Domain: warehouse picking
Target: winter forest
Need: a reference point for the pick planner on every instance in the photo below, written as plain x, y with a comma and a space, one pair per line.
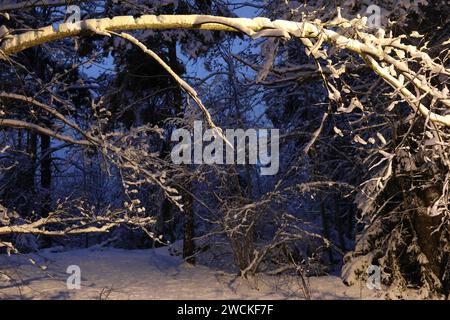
224, 149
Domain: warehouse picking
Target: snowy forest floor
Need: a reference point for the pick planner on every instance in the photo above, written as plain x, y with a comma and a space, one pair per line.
151, 274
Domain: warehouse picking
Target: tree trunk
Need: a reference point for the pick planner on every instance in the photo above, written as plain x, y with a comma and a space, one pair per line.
189, 226
46, 175
189, 230
326, 228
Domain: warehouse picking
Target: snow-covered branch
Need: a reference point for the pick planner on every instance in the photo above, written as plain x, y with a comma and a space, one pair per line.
71, 225
19, 124
374, 49
11, 6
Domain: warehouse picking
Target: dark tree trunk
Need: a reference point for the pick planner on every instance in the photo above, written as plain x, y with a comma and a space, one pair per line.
189, 226
46, 175
326, 228
28, 176
425, 226
189, 230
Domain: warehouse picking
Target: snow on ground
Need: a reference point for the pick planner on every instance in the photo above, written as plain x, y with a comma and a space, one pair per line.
150, 274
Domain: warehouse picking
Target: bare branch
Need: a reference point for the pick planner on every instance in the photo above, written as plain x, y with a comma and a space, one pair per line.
18, 124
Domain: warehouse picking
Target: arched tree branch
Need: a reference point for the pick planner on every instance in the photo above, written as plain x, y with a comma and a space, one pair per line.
369, 47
